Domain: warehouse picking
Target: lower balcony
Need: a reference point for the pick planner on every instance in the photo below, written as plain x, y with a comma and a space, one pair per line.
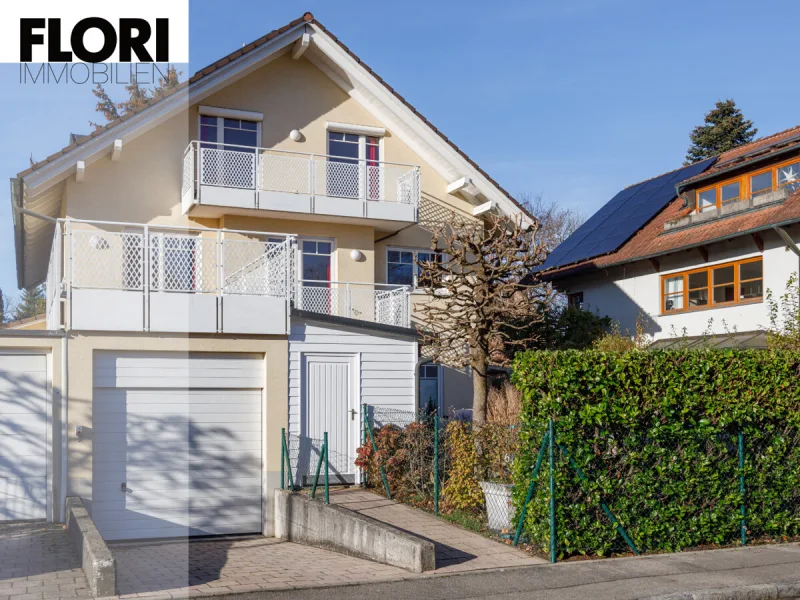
106, 276
221, 179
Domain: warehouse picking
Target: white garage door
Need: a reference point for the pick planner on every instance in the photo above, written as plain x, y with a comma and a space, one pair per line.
177, 444
23, 436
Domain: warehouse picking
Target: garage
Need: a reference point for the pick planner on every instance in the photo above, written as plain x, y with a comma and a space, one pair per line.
24, 420
177, 444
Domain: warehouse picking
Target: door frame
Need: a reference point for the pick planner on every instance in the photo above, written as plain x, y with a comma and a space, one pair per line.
354, 403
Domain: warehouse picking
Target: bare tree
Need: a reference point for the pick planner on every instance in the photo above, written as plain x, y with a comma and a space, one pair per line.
482, 296
556, 222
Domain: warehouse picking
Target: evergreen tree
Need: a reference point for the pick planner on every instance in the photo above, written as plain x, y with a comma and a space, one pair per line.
138, 96
31, 303
724, 129
2, 308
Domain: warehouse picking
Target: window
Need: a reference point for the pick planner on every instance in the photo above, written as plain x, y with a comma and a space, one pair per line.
218, 132
575, 300
750, 185
354, 169
402, 266
428, 389
316, 260
719, 285
789, 176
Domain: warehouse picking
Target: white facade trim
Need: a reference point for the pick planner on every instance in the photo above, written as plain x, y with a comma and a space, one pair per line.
231, 113
367, 130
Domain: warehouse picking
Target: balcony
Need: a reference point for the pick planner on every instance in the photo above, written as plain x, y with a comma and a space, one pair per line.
218, 179
106, 276
373, 302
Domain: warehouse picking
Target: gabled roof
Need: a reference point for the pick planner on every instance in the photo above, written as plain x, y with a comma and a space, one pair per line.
651, 240
36, 186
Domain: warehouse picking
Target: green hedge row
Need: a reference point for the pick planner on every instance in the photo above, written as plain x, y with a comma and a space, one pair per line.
656, 434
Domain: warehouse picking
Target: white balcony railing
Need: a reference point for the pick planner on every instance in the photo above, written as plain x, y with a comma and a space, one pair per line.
106, 276
276, 179
374, 302
134, 277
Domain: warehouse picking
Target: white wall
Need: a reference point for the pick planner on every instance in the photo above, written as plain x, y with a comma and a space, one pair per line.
386, 364
625, 292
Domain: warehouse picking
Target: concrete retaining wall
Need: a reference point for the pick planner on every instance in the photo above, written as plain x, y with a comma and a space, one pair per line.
300, 519
97, 561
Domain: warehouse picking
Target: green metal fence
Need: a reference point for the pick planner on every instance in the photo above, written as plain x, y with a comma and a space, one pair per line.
301, 456
593, 491
416, 464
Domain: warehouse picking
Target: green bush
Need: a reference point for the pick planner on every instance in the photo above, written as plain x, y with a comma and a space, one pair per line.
656, 434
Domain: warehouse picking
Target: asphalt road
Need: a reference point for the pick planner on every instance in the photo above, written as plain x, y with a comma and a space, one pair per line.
619, 579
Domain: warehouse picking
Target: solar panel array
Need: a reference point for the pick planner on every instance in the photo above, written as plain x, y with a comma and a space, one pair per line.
621, 217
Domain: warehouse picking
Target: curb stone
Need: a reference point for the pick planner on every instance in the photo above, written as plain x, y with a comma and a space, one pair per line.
765, 591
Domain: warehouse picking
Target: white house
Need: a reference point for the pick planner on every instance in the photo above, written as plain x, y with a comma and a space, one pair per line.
234, 260
692, 252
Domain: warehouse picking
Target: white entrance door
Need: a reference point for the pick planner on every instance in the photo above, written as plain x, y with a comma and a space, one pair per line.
329, 403
23, 436
177, 444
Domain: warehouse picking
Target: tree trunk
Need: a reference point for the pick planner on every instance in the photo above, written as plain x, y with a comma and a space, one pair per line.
479, 387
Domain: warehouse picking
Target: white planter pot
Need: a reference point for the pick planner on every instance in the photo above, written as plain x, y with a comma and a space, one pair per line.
498, 505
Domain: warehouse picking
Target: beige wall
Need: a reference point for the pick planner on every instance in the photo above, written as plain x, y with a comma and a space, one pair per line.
81, 352
51, 346
144, 185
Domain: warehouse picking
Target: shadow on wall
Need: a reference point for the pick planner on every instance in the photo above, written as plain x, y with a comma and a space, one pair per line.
609, 300
23, 445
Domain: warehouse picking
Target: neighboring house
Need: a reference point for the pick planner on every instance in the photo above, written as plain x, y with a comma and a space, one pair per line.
694, 251
233, 260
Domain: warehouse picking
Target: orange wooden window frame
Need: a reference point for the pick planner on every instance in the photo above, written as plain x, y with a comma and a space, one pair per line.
737, 281
744, 184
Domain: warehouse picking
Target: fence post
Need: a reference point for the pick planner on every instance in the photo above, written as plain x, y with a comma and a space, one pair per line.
742, 509
375, 450
319, 466
285, 452
325, 446
436, 463
531, 487
283, 458
363, 442
550, 436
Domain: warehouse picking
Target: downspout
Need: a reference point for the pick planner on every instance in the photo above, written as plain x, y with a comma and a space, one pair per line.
64, 425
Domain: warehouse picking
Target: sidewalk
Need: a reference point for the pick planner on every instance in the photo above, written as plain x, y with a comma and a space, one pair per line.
620, 579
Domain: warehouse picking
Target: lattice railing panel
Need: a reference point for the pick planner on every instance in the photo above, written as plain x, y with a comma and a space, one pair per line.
284, 173
183, 263
228, 168
322, 300
338, 179
108, 260
188, 171
254, 267
356, 301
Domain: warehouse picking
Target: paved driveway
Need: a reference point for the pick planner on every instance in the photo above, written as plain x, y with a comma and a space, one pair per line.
457, 550
37, 562
179, 569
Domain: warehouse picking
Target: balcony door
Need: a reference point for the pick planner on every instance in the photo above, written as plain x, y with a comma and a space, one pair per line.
353, 168
316, 272
228, 152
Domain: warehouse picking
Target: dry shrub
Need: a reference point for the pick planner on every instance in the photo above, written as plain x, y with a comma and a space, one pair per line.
503, 404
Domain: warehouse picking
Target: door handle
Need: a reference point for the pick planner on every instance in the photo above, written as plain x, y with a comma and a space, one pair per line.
353, 413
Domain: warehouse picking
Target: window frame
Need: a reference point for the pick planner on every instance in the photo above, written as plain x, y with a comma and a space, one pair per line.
423, 370
744, 181
575, 300
415, 271
220, 126
710, 286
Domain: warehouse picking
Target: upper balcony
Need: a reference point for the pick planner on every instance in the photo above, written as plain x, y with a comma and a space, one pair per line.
218, 178
108, 276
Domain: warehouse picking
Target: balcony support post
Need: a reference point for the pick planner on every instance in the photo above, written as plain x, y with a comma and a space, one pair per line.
312, 181
146, 277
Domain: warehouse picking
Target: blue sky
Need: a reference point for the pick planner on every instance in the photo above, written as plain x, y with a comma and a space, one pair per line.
573, 99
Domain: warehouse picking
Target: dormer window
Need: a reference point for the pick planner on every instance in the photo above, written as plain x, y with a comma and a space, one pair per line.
750, 185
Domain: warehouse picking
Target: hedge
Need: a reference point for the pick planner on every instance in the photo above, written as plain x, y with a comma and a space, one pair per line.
657, 435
